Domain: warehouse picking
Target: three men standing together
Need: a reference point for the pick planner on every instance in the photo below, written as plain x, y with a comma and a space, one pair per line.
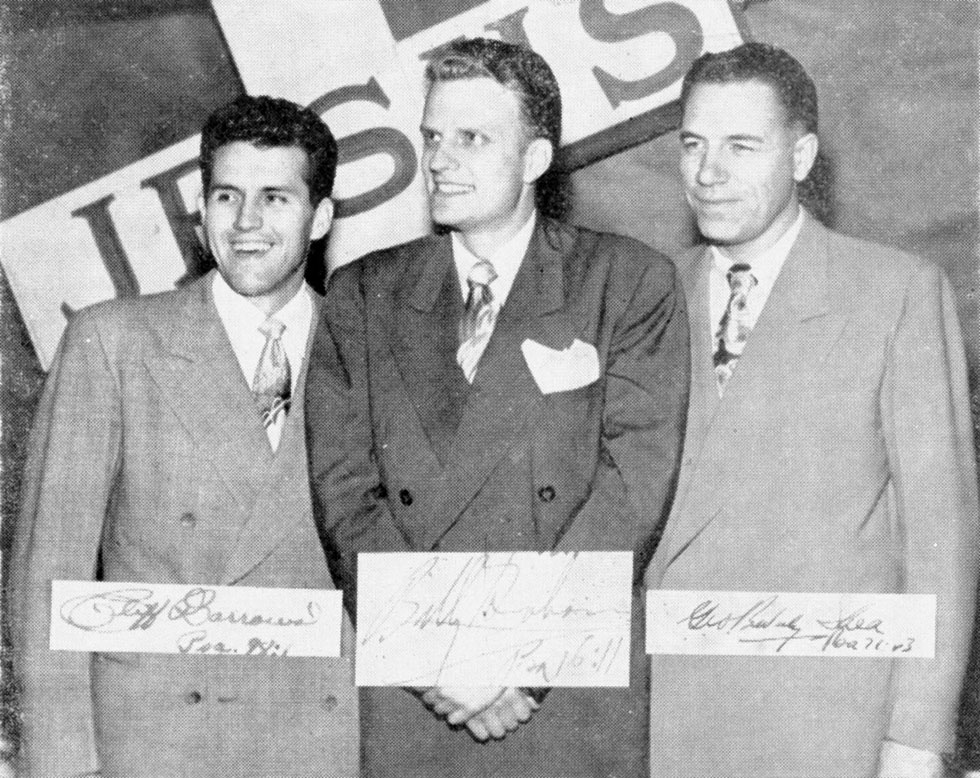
828, 447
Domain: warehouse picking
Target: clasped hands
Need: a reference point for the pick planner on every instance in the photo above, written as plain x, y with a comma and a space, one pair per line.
487, 711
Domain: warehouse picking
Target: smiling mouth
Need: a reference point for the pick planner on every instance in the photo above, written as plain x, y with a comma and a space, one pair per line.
450, 188
713, 203
250, 246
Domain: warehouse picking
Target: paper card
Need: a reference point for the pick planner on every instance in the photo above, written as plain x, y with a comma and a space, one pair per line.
883, 626
507, 619
186, 619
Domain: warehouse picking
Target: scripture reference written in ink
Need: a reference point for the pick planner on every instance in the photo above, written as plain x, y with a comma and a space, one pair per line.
182, 619
502, 618
721, 623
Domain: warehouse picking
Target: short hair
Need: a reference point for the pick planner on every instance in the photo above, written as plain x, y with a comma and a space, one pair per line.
763, 62
525, 73
269, 122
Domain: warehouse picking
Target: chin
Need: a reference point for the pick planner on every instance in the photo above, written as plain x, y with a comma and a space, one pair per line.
718, 233
444, 217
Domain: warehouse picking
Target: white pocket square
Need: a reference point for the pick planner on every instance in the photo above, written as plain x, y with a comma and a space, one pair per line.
564, 370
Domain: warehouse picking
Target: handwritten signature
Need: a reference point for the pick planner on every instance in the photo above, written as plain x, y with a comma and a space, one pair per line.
768, 621
137, 608
499, 597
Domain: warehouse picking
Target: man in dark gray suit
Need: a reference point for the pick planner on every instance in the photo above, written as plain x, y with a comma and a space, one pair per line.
443, 344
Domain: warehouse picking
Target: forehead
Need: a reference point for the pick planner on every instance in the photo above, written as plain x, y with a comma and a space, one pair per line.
473, 102
242, 162
734, 108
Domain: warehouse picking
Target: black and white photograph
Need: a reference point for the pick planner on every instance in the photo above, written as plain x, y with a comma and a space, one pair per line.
491, 388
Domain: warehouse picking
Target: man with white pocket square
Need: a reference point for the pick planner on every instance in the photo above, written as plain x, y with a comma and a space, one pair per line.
520, 385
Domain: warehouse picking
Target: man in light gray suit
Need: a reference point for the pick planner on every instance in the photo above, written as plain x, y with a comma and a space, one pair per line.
168, 448
828, 449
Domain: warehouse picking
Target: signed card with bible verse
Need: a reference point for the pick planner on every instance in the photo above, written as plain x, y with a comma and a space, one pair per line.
883, 626
183, 619
507, 618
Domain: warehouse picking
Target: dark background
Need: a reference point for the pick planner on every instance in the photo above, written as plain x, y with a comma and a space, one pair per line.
89, 86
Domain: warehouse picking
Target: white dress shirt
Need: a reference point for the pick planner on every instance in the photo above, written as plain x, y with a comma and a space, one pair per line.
241, 320
765, 268
506, 261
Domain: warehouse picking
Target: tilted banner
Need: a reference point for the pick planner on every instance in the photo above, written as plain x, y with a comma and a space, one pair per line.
360, 64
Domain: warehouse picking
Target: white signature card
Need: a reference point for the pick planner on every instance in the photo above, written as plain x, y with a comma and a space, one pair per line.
791, 624
182, 619
508, 619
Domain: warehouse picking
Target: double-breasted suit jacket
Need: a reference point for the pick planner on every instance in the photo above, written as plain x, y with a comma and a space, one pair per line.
500, 466
840, 459
148, 462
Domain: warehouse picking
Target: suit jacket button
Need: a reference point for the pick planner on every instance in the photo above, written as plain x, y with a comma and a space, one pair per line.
187, 519
546, 493
192, 698
379, 492
329, 702
405, 496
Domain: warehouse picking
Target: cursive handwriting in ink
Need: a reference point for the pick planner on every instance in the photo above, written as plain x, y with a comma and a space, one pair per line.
199, 642
196, 608
121, 610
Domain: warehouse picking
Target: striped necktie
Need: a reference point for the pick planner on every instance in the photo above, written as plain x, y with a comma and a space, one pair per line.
476, 325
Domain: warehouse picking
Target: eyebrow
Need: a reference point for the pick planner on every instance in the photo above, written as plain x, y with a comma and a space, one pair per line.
737, 137
487, 131
271, 188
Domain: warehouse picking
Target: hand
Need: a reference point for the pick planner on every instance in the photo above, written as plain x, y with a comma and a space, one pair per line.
901, 761
460, 703
506, 714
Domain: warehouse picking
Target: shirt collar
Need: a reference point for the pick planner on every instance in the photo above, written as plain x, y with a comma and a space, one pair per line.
766, 266
239, 314
506, 260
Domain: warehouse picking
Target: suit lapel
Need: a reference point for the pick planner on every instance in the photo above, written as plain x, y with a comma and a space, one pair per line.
704, 387
504, 392
199, 376
283, 498
793, 335
424, 345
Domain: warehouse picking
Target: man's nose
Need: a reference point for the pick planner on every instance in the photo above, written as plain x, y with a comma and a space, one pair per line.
249, 215
712, 168
441, 157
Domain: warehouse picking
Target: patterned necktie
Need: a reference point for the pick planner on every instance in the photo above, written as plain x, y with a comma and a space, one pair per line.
272, 385
476, 326
736, 323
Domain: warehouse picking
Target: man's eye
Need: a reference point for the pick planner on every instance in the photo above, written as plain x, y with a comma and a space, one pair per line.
690, 144
742, 148
430, 138
472, 138
221, 197
274, 198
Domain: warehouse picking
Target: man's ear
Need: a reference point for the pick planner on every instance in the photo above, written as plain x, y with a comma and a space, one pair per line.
322, 219
537, 159
804, 155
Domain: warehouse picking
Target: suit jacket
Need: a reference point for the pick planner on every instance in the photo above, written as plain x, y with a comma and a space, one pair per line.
500, 466
148, 461
840, 459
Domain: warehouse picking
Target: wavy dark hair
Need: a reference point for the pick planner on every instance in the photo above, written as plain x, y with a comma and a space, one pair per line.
270, 122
